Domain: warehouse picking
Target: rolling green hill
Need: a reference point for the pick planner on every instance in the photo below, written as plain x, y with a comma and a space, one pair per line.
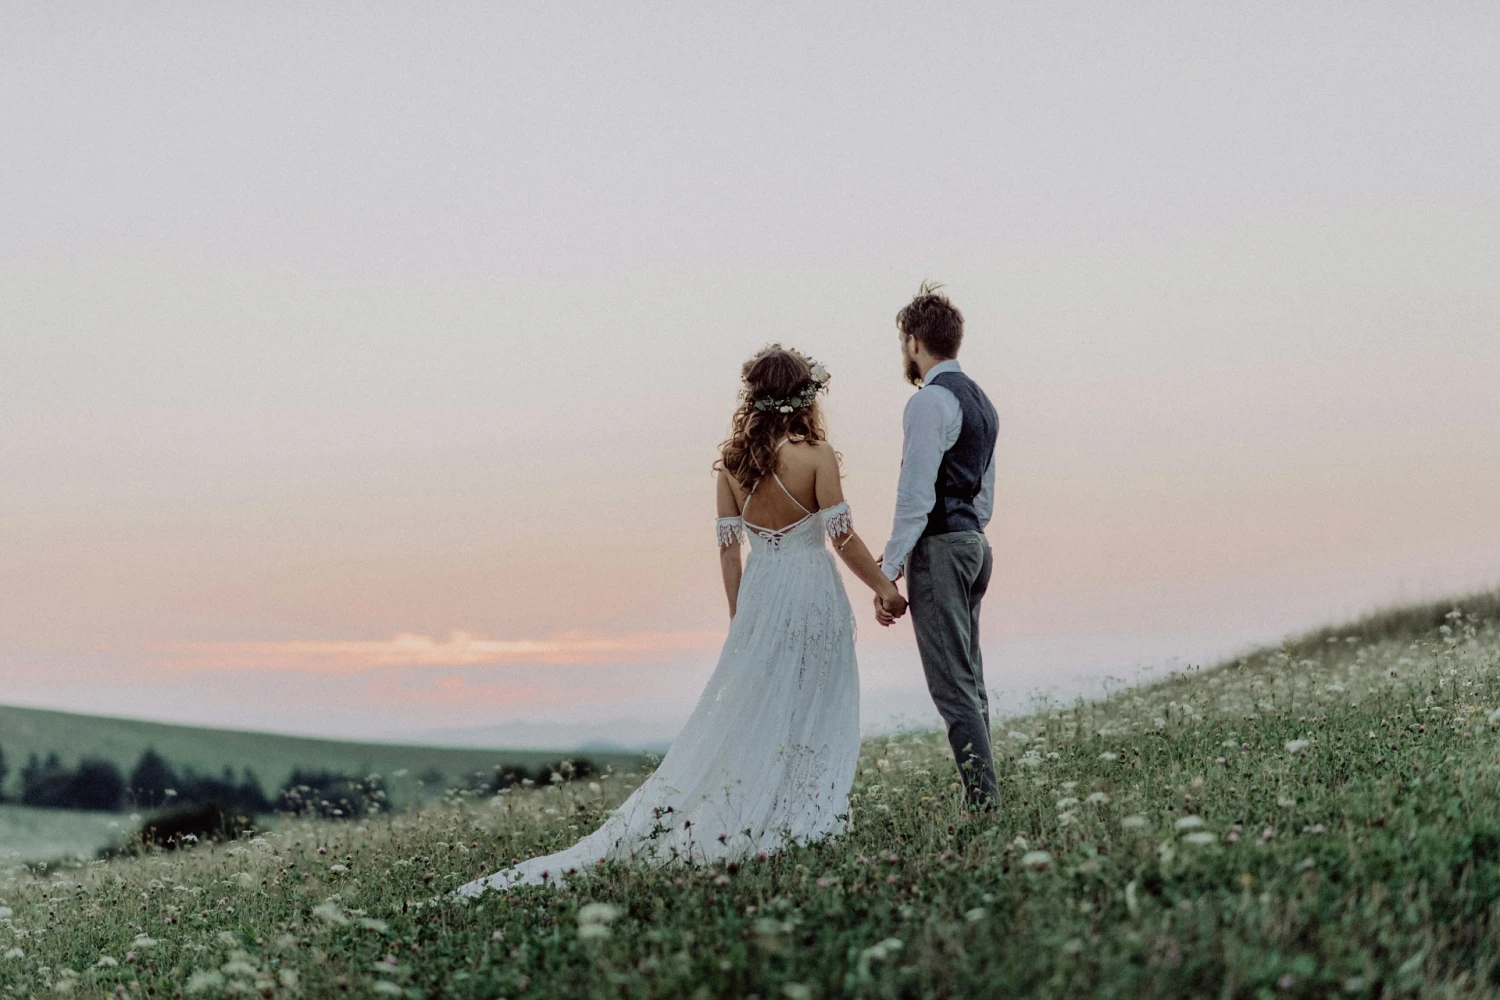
24, 731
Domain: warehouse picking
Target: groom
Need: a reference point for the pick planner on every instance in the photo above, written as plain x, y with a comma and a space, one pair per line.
943, 502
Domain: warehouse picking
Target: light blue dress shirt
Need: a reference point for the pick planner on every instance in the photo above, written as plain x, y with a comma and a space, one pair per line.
929, 426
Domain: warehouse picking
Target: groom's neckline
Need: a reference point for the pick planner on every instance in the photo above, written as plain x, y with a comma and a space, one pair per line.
941, 368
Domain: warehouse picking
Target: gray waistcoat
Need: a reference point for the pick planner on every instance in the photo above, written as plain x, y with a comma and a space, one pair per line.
961, 474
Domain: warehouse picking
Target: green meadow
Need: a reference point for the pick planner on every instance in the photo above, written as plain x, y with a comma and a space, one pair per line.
1320, 819
28, 834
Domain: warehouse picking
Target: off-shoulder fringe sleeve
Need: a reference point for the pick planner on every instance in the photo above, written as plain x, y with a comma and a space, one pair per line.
731, 530
837, 520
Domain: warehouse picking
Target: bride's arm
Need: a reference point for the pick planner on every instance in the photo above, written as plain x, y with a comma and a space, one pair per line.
850, 547
729, 544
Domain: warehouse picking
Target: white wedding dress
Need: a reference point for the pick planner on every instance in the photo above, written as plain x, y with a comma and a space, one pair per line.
768, 755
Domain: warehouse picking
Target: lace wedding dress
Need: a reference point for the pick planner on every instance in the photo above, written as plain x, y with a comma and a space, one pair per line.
768, 755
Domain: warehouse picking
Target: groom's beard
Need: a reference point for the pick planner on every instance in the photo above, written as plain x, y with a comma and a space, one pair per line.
913, 373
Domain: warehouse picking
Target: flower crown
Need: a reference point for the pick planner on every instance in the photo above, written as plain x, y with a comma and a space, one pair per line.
817, 382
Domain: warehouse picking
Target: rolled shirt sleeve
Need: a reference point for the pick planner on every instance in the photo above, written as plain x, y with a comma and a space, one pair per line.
929, 425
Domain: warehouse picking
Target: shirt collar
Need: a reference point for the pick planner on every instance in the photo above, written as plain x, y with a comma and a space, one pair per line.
950, 365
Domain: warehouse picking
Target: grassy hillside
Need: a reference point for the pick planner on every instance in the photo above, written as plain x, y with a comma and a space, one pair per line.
26, 730
1312, 821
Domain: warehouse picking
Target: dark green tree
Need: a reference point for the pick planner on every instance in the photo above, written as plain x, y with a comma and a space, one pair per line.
46, 783
150, 779
251, 796
97, 784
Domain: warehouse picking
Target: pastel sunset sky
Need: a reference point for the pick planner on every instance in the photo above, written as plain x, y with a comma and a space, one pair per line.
362, 365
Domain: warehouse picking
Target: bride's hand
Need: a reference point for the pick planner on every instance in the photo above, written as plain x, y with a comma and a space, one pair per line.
889, 607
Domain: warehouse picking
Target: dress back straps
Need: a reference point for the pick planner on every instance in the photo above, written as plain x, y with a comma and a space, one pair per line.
789, 495
746, 506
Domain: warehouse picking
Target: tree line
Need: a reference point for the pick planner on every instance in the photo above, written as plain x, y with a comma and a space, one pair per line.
98, 784
153, 783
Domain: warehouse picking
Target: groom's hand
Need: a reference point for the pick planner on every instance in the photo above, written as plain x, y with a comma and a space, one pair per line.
887, 610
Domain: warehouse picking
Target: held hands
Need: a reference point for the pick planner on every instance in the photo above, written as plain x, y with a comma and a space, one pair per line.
889, 607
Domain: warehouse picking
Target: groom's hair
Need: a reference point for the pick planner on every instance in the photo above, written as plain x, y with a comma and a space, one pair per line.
933, 320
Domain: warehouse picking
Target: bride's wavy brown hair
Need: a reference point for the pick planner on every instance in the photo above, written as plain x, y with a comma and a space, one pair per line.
749, 453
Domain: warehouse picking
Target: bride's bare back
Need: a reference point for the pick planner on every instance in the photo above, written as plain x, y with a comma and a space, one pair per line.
806, 480
797, 475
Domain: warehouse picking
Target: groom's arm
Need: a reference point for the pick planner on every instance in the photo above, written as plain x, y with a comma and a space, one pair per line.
929, 427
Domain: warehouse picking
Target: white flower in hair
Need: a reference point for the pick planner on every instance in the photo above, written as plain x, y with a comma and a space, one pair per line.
817, 381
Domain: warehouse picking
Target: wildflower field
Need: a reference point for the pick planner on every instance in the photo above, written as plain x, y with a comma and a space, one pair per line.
1321, 819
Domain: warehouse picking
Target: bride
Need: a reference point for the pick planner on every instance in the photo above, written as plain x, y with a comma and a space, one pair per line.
768, 755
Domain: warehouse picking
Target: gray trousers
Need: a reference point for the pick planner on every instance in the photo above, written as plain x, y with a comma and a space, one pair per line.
946, 577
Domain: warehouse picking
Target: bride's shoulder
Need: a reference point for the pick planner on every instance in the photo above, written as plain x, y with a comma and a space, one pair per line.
809, 450
811, 455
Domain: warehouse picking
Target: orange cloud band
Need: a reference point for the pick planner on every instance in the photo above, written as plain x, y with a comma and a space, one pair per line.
408, 649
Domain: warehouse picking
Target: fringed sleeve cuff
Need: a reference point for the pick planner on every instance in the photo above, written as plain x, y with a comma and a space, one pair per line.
838, 520
730, 531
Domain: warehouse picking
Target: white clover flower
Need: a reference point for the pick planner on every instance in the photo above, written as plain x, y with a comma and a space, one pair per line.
202, 982
1036, 859
329, 912
598, 913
